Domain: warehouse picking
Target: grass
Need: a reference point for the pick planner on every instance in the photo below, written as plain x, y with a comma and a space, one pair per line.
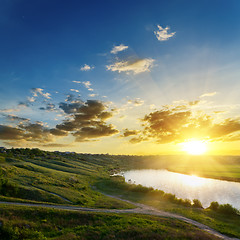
43, 224
225, 223
37, 174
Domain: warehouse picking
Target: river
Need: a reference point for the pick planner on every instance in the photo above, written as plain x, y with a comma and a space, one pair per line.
185, 186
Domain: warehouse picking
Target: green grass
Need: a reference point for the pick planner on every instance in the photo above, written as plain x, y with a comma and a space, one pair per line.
226, 224
42, 224
37, 173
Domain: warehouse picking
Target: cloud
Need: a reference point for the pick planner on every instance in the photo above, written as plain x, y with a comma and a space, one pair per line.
137, 140
92, 95
119, 48
74, 90
31, 99
136, 67
76, 81
127, 132
210, 94
162, 33
86, 67
12, 117
57, 145
70, 108
32, 132
9, 110
50, 107
58, 132
136, 102
88, 121
181, 123
39, 91
11, 133
87, 84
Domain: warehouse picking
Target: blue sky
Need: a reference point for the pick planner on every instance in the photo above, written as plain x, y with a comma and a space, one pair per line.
166, 53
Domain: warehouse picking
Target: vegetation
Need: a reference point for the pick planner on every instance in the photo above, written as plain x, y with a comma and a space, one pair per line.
78, 179
214, 218
42, 224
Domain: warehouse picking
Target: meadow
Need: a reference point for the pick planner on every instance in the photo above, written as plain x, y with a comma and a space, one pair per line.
81, 179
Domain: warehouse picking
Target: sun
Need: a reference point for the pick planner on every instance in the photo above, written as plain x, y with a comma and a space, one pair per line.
195, 147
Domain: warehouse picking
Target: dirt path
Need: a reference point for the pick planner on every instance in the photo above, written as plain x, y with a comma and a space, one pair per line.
140, 208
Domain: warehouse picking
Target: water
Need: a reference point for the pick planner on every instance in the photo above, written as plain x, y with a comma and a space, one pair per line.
184, 186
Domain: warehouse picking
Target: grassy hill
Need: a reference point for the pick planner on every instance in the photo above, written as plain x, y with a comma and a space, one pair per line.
79, 179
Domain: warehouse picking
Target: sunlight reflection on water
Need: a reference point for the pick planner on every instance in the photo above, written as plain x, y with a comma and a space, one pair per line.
185, 186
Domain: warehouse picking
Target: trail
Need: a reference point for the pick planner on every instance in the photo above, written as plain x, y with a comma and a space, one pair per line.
140, 209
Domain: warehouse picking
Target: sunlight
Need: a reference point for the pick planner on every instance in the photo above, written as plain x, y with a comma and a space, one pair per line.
195, 147
193, 181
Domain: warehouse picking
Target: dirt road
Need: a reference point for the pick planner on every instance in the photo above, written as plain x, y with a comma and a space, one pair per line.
140, 208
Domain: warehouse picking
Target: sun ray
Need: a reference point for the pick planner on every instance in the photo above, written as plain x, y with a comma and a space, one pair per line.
195, 147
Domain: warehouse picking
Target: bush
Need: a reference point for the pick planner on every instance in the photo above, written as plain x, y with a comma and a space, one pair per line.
214, 206
227, 209
197, 203
187, 203
7, 188
223, 208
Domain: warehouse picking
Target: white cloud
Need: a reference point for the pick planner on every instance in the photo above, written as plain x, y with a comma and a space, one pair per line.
208, 94
76, 81
87, 84
162, 34
74, 90
119, 48
86, 68
31, 99
9, 110
92, 95
138, 66
39, 91
136, 102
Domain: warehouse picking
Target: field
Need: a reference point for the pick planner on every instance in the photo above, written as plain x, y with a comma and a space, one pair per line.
81, 179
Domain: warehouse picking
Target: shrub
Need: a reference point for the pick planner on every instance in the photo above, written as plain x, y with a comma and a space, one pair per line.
197, 203
169, 197
214, 206
227, 209
187, 203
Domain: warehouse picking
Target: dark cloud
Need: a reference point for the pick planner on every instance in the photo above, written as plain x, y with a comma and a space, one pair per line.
24, 104
50, 107
57, 145
31, 132
98, 130
36, 132
11, 133
70, 108
137, 140
127, 132
58, 132
11, 117
180, 123
229, 126
88, 120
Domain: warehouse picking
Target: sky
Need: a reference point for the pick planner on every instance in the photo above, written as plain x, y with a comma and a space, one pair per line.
120, 77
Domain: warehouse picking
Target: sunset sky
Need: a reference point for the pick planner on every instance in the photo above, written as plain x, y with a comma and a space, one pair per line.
120, 77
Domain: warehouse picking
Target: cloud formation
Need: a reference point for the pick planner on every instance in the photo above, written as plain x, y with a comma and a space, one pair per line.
32, 132
119, 48
127, 132
89, 120
135, 67
181, 123
162, 34
86, 67
50, 107
136, 102
210, 94
39, 92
